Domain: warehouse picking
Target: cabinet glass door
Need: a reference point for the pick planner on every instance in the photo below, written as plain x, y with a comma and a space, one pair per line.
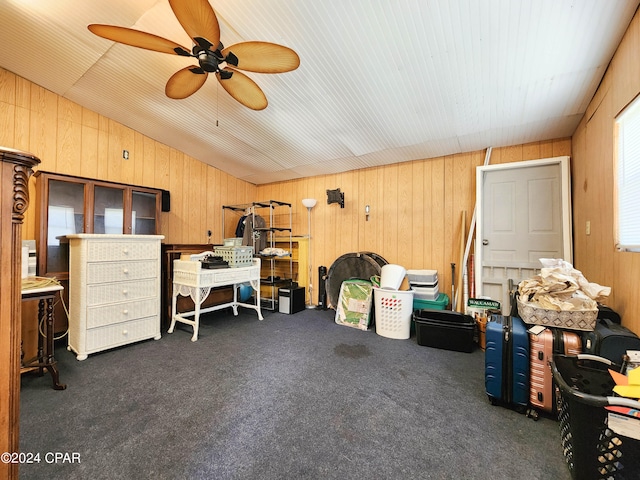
143, 213
65, 214
108, 210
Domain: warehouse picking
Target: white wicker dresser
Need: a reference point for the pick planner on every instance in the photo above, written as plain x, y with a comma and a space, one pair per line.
114, 291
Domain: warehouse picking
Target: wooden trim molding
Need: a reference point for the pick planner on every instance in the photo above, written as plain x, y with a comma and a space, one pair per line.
15, 170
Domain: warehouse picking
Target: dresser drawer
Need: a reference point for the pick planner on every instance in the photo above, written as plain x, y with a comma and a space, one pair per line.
121, 271
106, 293
111, 336
98, 251
121, 312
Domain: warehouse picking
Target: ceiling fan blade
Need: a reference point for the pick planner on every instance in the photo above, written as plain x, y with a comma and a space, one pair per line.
139, 39
198, 19
243, 89
185, 82
263, 57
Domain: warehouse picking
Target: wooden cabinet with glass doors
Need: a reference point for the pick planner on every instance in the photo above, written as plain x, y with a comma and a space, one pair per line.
68, 205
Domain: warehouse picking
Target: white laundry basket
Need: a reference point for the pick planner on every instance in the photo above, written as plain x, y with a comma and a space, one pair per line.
394, 309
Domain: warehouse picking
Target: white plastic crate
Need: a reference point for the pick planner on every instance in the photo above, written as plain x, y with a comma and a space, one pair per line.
425, 293
426, 277
394, 309
235, 256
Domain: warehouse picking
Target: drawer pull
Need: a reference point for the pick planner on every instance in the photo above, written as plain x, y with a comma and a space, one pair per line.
125, 251
125, 312
125, 270
125, 332
125, 292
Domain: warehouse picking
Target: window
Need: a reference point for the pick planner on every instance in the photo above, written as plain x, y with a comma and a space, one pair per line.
628, 178
61, 222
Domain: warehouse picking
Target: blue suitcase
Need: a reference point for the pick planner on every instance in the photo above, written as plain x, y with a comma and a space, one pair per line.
507, 362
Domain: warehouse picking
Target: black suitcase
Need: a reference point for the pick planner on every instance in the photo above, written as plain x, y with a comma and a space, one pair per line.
605, 313
507, 362
609, 340
444, 329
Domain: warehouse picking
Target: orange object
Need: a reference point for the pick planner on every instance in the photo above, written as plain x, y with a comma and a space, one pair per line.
482, 329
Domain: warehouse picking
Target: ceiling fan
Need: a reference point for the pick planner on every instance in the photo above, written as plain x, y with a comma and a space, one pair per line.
200, 22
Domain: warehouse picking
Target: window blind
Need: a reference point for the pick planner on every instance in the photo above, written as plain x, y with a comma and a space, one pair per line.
628, 178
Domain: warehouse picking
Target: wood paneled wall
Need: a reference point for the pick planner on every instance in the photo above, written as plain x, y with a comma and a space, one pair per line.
415, 208
72, 140
593, 174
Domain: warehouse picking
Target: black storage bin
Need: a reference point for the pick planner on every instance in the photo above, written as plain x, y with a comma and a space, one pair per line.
591, 449
444, 329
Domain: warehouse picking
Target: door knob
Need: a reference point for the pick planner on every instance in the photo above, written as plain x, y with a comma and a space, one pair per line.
485, 242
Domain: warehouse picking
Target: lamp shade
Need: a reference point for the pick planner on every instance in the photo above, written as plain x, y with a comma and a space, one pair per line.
309, 202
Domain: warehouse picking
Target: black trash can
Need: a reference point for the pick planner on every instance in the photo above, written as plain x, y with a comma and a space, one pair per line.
591, 449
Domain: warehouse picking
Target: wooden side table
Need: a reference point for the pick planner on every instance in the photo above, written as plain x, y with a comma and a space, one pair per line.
45, 358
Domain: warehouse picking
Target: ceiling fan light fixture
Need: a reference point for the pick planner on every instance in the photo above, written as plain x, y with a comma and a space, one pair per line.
208, 62
199, 21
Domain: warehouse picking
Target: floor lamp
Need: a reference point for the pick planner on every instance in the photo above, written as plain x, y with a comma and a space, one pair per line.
310, 203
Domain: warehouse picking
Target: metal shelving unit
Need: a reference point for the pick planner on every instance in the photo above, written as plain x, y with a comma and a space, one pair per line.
276, 272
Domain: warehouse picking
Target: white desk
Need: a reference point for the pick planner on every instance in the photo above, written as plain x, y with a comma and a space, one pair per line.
189, 278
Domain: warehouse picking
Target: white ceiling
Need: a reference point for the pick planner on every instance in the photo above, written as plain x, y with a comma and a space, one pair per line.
379, 81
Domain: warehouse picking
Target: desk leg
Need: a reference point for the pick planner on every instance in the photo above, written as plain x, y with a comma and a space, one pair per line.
196, 319
255, 284
174, 299
234, 306
41, 338
50, 361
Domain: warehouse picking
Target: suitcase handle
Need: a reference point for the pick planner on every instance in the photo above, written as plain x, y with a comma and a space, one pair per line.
587, 356
607, 321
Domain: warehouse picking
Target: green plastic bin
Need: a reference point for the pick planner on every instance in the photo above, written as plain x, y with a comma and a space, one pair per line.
439, 303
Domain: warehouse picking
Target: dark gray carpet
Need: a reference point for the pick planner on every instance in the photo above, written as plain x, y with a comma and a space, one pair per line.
291, 397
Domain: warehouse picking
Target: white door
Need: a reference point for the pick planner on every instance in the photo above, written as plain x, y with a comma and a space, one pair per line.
524, 214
